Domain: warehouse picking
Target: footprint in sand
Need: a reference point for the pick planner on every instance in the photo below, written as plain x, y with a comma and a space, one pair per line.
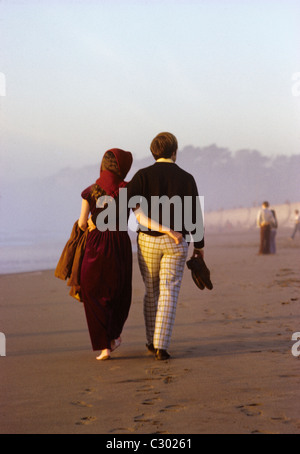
151, 401
80, 403
164, 375
171, 408
263, 432
168, 379
89, 390
162, 432
283, 419
145, 389
285, 271
86, 420
122, 430
142, 418
138, 380
250, 409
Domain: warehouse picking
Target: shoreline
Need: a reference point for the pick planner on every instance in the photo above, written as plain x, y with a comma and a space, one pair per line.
226, 231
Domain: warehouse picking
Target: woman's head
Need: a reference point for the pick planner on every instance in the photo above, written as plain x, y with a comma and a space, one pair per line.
110, 163
117, 161
164, 145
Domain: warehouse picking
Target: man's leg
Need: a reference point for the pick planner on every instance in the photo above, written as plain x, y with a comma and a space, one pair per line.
267, 235
171, 272
296, 228
149, 256
264, 239
261, 237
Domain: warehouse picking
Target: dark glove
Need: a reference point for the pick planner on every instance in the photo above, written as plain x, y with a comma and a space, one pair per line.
200, 272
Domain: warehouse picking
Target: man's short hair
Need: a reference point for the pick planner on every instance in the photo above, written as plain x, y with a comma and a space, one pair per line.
265, 204
164, 145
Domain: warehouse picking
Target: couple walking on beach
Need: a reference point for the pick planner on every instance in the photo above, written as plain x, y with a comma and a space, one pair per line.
106, 269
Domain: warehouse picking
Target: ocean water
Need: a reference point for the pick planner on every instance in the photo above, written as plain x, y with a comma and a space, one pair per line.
29, 252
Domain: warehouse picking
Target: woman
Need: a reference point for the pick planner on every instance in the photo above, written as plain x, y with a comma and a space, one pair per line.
273, 233
106, 270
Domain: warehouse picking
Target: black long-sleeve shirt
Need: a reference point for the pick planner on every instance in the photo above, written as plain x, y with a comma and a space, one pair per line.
169, 195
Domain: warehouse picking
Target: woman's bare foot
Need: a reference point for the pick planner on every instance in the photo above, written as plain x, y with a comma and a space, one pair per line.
104, 355
116, 343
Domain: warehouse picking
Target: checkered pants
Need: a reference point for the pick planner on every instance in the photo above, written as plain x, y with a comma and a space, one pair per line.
161, 263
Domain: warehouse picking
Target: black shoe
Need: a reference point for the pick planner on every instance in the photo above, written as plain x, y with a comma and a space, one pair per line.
151, 348
162, 355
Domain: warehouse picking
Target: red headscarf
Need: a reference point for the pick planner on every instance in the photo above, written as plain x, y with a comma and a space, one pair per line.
110, 181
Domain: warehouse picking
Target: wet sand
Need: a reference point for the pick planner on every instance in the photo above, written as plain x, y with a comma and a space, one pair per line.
232, 370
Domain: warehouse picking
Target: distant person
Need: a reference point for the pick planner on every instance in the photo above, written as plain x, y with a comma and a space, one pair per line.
106, 270
273, 233
265, 220
297, 224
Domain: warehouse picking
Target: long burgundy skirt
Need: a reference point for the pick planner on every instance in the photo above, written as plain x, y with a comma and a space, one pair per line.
106, 285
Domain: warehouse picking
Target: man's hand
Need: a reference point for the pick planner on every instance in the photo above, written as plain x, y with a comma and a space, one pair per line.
198, 252
176, 236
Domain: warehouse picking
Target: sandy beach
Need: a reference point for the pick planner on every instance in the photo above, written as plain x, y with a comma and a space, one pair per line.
232, 370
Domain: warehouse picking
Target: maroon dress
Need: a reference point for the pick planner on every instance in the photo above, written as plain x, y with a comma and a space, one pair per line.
106, 273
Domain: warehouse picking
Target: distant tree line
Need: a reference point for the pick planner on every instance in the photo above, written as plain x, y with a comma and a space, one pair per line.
241, 179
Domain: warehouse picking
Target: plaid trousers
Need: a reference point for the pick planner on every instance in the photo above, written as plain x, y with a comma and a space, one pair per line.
161, 264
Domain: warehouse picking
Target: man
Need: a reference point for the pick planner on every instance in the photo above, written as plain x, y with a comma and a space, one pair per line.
172, 200
265, 220
297, 224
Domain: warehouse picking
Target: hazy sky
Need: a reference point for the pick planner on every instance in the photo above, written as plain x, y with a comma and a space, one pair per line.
84, 76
